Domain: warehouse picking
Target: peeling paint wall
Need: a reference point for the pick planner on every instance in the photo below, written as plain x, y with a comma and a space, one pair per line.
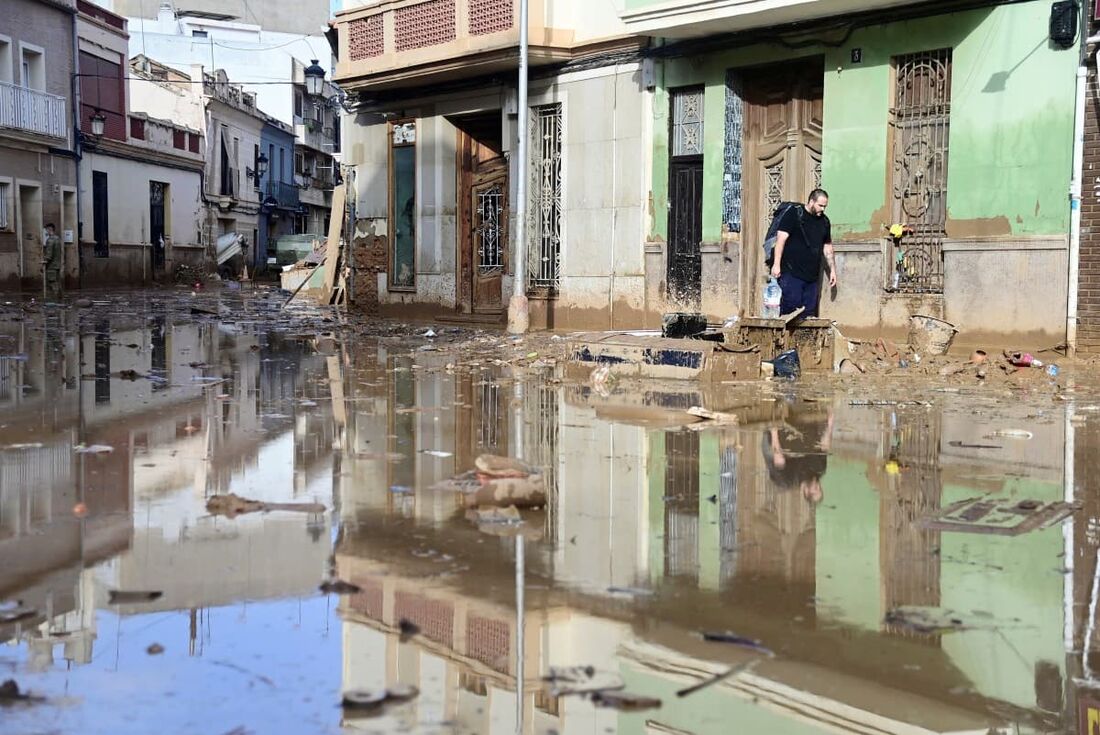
604, 180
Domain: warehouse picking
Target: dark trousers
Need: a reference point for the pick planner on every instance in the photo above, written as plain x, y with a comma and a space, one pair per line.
796, 293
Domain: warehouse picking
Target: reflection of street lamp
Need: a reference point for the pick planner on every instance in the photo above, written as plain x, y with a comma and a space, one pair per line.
261, 169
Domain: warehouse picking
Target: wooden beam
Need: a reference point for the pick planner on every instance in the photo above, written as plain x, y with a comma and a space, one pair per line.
332, 246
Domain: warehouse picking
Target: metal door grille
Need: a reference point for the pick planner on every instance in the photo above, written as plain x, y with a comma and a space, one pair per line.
490, 206
545, 198
687, 122
921, 122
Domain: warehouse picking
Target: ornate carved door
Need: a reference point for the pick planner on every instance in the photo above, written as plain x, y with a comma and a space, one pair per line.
489, 206
483, 214
782, 143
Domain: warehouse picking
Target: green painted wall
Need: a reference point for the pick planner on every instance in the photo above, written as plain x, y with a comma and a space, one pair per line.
1011, 122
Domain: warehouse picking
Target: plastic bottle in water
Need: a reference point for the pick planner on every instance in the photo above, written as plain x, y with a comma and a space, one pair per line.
773, 295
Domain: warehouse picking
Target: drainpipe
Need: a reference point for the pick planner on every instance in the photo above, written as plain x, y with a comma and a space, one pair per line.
78, 154
1075, 197
519, 317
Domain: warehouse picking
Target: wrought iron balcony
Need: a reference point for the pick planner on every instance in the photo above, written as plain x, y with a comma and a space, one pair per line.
33, 111
284, 195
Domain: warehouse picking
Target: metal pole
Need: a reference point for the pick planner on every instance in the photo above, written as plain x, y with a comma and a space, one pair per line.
520, 571
518, 316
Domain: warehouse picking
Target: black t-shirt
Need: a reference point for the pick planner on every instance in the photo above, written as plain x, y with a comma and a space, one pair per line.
805, 243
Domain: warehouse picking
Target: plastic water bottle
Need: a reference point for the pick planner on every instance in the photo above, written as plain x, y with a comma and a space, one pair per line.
773, 295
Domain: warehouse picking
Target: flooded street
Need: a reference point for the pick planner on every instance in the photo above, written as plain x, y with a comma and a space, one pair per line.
800, 545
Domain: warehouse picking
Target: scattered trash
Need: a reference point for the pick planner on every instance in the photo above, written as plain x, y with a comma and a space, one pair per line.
155, 649
408, 630
437, 453
375, 699
93, 449
848, 367
679, 325
339, 587
997, 516
787, 365
716, 416
401, 489
510, 514
231, 506
128, 597
977, 357
930, 335
632, 591
129, 374
1013, 434
965, 445
10, 693
734, 671
15, 613
429, 334
1052, 370
80, 510
523, 492
624, 702
934, 620
737, 640
29, 445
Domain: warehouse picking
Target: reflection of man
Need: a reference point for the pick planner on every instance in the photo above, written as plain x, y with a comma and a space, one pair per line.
52, 260
797, 453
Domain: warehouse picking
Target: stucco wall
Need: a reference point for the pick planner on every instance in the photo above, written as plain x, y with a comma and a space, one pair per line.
1008, 162
604, 175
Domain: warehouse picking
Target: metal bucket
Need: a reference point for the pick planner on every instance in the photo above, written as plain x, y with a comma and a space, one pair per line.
929, 335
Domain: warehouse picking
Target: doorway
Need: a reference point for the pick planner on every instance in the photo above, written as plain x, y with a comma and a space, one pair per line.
782, 155
99, 214
30, 231
482, 214
684, 264
157, 233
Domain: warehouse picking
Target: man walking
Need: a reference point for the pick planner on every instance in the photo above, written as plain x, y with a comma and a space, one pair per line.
804, 237
52, 258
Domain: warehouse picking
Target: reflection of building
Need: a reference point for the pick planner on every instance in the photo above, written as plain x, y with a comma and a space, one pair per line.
693, 527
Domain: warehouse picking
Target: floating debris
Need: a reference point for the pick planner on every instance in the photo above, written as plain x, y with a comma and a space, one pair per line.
739, 669
127, 597
737, 640
408, 629
231, 506
624, 702
339, 587
155, 649
93, 449
10, 694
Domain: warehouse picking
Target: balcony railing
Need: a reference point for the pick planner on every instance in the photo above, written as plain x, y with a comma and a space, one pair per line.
390, 42
285, 194
33, 111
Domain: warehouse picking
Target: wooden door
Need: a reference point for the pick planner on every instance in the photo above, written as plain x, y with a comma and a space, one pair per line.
489, 238
482, 214
782, 155
685, 226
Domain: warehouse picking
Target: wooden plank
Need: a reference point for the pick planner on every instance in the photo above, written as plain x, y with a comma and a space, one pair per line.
332, 246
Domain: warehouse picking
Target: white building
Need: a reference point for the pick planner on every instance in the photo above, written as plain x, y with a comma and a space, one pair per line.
430, 80
140, 179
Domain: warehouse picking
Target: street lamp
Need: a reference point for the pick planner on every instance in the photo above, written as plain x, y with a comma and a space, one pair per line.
315, 79
261, 169
99, 123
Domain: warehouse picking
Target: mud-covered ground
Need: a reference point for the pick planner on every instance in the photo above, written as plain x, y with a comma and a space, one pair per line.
218, 515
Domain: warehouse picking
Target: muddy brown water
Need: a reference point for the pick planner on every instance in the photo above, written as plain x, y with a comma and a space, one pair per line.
792, 533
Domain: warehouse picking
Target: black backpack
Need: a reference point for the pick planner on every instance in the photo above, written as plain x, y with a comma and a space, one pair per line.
773, 230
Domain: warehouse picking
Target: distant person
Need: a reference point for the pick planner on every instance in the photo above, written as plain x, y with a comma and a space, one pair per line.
804, 237
52, 260
796, 453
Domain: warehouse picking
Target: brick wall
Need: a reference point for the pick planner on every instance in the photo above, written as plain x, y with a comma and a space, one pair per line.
369, 257
1088, 298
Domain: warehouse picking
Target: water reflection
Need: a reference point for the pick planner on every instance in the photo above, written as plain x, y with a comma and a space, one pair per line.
797, 525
